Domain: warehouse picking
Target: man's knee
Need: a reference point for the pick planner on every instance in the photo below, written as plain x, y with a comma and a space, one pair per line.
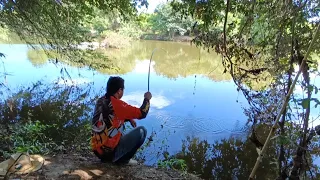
143, 132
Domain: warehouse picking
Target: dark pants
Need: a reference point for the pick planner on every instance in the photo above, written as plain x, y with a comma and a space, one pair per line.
128, 146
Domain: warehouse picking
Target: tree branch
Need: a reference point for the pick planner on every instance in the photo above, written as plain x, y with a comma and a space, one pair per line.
297, 164
225, 27
282, 122
259, 159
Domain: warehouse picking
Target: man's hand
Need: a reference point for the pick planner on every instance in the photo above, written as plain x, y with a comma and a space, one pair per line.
133, 123
148, 95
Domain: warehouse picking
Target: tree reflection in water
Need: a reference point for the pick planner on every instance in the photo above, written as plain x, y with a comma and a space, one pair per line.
231, 158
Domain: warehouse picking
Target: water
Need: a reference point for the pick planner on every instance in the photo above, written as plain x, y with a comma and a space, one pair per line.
191, 95
188, 96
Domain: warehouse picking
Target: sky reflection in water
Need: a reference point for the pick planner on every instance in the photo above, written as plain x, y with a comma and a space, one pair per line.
192, 105
208, 109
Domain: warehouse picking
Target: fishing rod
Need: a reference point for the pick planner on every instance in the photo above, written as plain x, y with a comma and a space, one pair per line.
154, 50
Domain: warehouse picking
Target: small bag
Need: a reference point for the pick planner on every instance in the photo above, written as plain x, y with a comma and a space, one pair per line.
20, 163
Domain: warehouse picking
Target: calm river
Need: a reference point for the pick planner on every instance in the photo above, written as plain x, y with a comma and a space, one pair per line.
191, 95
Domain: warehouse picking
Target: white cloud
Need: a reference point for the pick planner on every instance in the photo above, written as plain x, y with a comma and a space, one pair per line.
143, 66
135, 99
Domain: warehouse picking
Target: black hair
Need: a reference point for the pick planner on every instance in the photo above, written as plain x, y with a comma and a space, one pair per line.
114, 84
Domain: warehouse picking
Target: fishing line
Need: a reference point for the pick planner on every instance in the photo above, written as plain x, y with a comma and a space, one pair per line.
150, 65
195, 76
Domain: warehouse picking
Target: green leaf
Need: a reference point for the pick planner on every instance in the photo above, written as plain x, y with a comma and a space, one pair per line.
317, 101
284, 140
310, 88
305, 103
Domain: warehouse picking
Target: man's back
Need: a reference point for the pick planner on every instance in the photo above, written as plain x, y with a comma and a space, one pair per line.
108, 119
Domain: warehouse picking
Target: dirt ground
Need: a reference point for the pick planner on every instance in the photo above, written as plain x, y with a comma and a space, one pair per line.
76, 166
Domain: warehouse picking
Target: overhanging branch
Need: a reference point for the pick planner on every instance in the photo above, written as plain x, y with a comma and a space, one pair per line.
259, 159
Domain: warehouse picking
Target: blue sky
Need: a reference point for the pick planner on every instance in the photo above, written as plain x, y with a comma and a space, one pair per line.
152, 5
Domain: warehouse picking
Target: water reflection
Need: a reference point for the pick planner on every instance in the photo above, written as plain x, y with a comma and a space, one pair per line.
135, 98
72, 82
191, 97
232, 158
142, 66
204, 105
67, 109
181, 60
226, 159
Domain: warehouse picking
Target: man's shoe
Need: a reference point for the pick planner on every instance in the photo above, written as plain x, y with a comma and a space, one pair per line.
132, 162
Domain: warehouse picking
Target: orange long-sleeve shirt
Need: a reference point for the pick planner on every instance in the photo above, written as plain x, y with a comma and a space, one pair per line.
112, 113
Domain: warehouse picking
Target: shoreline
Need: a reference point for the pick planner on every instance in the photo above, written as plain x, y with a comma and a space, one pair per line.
87, 166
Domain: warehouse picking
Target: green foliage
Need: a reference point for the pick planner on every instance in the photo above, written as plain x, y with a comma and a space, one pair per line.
258, 33
38, 58
144, 22
269, 38
112, 21
74, 22
30, 137
61, 25
26, 137
112, 39
305, 102
176, 164
260, 42
8, 37
4, 34
42, 118
166, 21
131, 29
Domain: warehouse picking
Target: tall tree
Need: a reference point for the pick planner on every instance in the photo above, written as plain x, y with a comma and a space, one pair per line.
166, 21
259, 39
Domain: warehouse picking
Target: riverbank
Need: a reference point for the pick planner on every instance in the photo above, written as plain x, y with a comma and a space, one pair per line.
105, 40
112, 40
87, 166
116, 41
166, 38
